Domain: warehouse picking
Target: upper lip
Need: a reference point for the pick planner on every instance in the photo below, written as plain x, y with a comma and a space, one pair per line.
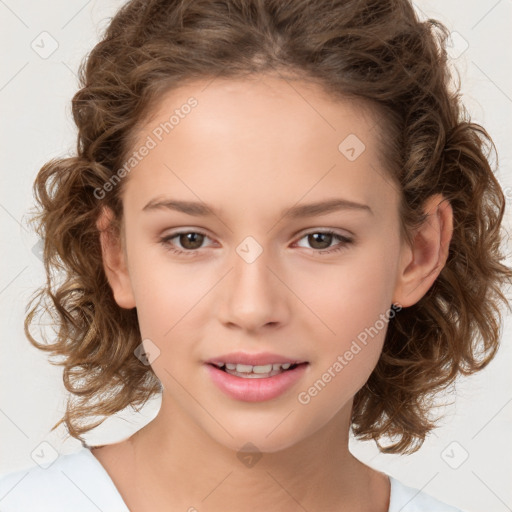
258, 359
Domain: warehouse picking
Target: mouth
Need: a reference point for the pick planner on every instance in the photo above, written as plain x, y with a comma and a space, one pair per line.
260, 383
247, 371
256, 376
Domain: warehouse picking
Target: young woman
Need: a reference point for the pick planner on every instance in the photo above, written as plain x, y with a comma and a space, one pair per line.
279, 219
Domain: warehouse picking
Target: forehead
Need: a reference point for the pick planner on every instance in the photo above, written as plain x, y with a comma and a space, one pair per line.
263, 104
260, 136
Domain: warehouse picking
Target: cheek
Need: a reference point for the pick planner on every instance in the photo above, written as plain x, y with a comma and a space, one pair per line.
352, 295
353, 304
165, 292
355, 310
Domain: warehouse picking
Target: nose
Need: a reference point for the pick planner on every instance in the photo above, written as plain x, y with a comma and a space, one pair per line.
253, 295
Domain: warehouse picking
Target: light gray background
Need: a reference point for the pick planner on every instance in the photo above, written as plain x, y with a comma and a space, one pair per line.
35, 94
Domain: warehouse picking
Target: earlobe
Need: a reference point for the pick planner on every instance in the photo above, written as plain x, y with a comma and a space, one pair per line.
114, 261
422, 262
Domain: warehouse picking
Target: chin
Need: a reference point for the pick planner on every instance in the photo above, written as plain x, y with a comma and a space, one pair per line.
258, 443
261, 436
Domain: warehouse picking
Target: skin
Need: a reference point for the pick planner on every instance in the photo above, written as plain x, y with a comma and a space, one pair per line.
250, 149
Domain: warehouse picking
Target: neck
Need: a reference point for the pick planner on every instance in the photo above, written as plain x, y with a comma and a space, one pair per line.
190, 470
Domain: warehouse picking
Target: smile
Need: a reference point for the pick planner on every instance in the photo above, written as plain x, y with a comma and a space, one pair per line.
250, 372
255, 383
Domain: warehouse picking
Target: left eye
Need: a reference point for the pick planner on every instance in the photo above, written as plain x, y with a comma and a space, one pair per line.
322, 237
191, 241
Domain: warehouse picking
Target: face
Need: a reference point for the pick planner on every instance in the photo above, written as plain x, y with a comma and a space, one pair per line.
256, 271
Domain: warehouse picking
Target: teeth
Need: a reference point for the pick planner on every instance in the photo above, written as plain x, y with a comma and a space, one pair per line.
266, 369
244, 368
259, 369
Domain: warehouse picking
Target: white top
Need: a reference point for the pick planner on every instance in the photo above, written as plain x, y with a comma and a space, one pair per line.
79, 483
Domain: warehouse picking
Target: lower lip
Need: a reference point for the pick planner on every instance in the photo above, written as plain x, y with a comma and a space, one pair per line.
255, 389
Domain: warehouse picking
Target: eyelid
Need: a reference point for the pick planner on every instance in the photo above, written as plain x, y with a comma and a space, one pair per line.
326, 229
300, 234
343, 240
184, 231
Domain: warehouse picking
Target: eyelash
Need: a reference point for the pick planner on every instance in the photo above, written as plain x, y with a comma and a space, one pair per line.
344, 241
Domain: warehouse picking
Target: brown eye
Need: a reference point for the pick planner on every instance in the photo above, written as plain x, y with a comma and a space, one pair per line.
184, 243
320, 240
191, 240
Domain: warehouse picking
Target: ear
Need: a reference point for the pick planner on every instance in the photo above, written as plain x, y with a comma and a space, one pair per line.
114, 260
421, 263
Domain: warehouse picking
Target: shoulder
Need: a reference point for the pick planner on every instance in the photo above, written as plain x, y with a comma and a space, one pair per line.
408, 499
75, 482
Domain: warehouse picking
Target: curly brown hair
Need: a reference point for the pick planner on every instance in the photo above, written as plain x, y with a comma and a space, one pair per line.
375, 50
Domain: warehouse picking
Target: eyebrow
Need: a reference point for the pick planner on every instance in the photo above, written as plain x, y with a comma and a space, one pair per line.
198, 209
